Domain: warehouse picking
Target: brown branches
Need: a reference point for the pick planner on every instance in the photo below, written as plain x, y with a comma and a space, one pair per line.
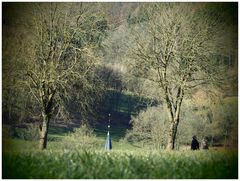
175, 47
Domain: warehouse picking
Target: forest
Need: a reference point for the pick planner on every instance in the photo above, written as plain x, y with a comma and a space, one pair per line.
148, 77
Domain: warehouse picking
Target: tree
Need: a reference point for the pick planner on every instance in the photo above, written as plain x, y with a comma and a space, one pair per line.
60, 58
225, 120
176, 46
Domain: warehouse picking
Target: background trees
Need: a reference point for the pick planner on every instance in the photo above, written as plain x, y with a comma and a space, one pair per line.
204, 118
176, 46
80, 61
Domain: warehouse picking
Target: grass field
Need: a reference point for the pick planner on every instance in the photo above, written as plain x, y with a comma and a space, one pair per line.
124, 161
85, 157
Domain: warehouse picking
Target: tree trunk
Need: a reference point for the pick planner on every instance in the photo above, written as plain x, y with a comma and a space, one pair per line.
174, 114
43, 132
172, 135
46, 115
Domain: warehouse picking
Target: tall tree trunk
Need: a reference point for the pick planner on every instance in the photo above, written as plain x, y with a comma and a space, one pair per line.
174, 114
172, 134
43, 131
46, 116
170, 143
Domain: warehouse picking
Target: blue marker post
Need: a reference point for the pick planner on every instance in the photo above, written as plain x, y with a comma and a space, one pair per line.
108, 145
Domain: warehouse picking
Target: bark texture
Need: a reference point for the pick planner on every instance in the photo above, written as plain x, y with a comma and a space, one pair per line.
43, 131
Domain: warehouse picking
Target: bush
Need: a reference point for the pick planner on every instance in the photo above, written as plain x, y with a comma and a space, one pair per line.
29, 133
149, 128
203, 119
6, 131
82, 138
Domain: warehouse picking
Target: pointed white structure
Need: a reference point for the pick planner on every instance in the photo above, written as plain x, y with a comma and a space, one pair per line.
108, 144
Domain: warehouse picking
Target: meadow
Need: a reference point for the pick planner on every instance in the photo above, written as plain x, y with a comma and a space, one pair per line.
22, 161
70, 68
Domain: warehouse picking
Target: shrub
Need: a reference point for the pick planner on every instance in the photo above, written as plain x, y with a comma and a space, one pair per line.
149, 128
6, 131
207, 118
29, 133
82, 138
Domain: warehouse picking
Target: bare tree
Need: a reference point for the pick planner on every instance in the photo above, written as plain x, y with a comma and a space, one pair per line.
177, 46
60, 58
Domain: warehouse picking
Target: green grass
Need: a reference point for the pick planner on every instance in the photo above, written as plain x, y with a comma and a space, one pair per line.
120, 164
22, 159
